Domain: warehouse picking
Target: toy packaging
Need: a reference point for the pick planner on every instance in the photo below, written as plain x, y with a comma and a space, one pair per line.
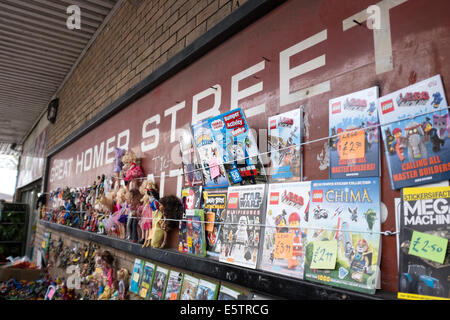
226, 293
206, 290
416, 133
215, 202
191, 165
344, 231
189, 287
354, 152
159, 284
174, 282
424, 253
135, 281
284, 139
192, 199
148, 274
195, 232
285, 232
242, 231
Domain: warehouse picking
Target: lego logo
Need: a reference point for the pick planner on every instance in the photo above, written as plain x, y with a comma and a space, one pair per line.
336, 108
387, 106
317, 196
273, 124
233, 200
274, 196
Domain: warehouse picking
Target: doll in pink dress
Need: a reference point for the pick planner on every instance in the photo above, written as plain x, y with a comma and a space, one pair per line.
131, 169
150, 203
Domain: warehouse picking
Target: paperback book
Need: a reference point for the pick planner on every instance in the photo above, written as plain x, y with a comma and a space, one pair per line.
174, 282
159, 283
206, 290
189, 287
148, 273
135, 282
215, 202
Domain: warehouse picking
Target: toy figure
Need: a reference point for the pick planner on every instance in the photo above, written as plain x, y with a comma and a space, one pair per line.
122, 277
361, 260
399, 144
150, 202
170, 209
416, 147
294, 223
134, 200
241, 232
353, 213
132, 169
118, 165
123, 215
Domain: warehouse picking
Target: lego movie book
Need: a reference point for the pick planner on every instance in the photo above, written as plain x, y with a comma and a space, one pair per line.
159, 283
284, 139
173, 288
214, 204
416, 134
189, 287
424, 253
191, 166
237, 148
136, 276
355, 151
285, 231
241, 230
345, 215
206, 290
192, 199
195, 232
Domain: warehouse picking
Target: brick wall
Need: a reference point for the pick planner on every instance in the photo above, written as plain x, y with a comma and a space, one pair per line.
137, 40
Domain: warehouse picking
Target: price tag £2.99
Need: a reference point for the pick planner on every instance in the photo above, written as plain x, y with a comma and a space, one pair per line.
324, 255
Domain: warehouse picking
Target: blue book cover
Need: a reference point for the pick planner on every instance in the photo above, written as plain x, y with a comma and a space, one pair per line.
136, 276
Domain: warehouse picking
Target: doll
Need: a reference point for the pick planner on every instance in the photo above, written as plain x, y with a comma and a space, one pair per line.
134, 199
150, 204
164, 219
122, 277
105, 262
123, 216
131, 167
118, 165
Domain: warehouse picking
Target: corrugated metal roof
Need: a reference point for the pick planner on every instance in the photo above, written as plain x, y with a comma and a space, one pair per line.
37, 52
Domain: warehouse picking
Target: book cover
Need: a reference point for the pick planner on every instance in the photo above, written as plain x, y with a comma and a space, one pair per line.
135, 281
226, 293
206, 290
189, 287
238, 148
148, 273
284, 142
210, 156
195, 232
285, 228
174, 282
416, 133
215, 202
192, 199
424, 253
345, 215
192, 169
242, 226
354, 152
159, 284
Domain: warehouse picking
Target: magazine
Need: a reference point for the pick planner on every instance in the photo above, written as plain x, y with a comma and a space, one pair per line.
174, 282
285, 231
242, 226
192, 199
191, 165
135, 281
159, 284
354, 142
195, 232
344, 218
416, 133
206, 290
148, 273
284, 142
189, 287
215, 202
424, 253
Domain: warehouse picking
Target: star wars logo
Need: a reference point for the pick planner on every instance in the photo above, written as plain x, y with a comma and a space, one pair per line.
355, 104
250, 200
292, 199
413, 99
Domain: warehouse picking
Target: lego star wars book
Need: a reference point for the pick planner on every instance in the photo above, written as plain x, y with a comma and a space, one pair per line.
174, 282
237, 148
424, 253
192, 198
148, 273
206, 290
189, 287
284, 139
214, 204
159, 283
192, 169
226, 293
344, 227
135, 281
416, 133
195, 232
209, 155
285, 228
354, 142
242, 225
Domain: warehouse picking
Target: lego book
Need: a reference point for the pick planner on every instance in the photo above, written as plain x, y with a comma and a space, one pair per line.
174, 282
135, 281
214, 204
189, 287
343, 240
209, 155
424, 253
191, 166
285, 228
148, 273
195, 232
206, 290
238, 148
354, 142
284, 142
416, 133
242, 225
226, 293
192, 199
159, 283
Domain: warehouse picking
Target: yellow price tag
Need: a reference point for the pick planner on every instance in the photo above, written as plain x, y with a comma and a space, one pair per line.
283, 245
210, 218
429, 247
351, 145
324, 254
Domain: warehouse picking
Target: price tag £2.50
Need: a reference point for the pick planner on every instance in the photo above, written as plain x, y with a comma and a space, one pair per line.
427, 246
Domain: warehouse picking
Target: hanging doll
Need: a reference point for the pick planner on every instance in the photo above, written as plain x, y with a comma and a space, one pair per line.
121, 200
118, 165
134, 200
165, 219
131, 169
150, 202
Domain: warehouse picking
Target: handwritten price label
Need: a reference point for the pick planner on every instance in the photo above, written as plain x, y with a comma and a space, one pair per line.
351, 145
429, 247
324, 255
210, 218
283, 245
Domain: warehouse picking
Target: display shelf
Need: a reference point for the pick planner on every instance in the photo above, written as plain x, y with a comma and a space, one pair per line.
256, 280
